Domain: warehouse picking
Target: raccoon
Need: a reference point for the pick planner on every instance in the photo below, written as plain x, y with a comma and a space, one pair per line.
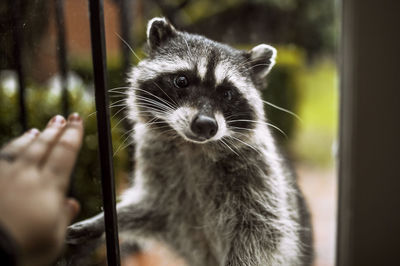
209, 180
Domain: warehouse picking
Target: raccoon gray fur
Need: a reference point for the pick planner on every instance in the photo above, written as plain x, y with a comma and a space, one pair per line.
209, 180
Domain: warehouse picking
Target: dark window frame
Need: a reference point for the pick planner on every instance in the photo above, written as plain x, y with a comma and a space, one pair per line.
369, 172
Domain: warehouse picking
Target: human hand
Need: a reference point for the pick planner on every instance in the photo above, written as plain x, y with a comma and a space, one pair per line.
34, 178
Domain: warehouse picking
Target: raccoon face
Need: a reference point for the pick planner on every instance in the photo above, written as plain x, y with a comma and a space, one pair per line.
197, 88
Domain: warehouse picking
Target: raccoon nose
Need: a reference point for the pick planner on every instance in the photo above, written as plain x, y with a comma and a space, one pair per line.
204, 126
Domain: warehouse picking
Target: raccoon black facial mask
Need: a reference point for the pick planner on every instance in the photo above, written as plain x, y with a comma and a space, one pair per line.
188, 76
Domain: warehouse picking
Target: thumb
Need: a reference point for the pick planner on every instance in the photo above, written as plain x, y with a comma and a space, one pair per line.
72, 208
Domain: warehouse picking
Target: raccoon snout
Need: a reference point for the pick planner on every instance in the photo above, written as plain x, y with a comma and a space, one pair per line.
204, 126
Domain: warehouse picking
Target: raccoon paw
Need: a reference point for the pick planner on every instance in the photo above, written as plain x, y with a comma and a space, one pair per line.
80, 233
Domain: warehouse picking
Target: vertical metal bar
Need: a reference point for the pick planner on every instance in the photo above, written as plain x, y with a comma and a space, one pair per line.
103, 125
62, 54
124, 9
369, 172
18, 64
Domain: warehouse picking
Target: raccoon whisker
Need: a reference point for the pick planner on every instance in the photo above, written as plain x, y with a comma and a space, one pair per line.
117, 105
123, 142
154, 102
117, 102
117, 96
130, 48
246, 120
153, 107
150, 103
119, 148
260, 122
242, 128
153, 111
151, 120
119, 88
119, 93
277, 128
226, 145
164, 101
245, 143
283, 110
161, 127
242, 134
126, 138
91, 114
118, 112
164, 131
155, 123
167, 131
157, 96
238, 114
119, 122
165, 93
235, 147
127, 132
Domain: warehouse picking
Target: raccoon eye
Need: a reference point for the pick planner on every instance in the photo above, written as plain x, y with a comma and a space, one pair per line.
181, 82
228, 95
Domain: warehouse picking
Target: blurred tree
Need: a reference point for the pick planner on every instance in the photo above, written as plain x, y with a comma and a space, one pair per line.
308, 24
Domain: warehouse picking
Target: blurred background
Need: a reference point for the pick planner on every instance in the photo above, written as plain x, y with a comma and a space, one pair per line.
51, 42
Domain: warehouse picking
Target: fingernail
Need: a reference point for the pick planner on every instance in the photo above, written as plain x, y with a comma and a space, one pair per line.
74, 118
34, 132
58, 120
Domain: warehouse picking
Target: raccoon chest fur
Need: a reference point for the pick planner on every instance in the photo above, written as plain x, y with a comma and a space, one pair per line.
208, 195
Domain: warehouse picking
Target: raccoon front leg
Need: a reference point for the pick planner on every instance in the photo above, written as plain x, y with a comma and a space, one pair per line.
86, 230
133, 218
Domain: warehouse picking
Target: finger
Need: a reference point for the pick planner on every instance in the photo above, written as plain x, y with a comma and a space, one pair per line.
19, 144
62, 157
68, 211
40, 147
73, 208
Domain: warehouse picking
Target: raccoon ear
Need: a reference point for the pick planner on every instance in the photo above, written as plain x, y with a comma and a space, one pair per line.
158, 31
262, 59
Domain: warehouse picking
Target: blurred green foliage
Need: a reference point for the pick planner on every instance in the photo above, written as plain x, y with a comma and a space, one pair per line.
316, 135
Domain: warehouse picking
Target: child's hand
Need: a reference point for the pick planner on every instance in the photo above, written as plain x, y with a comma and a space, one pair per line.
34, 178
